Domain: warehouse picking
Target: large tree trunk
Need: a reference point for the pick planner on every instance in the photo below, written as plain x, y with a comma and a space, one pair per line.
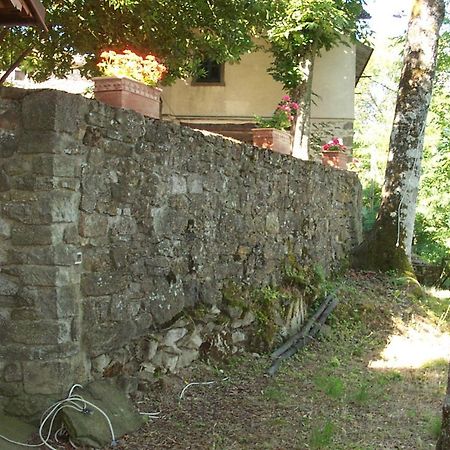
302, 95
388, 246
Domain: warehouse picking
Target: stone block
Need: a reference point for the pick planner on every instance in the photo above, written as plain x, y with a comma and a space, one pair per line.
5, 182
8, 285
100, 363
47, 377
71, 234
53, 110
57, 165
93, 430
173, 336
5, 229
32, 142
166, 361
37, 332
93, 225
13, 372
32, 234
186, 358
122, 226
33, 275
18, 165
195, 184
103, 283
109, 336
16, 430
8, 144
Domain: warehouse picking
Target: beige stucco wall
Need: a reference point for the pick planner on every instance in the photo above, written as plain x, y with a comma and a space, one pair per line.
334, 84
249, 90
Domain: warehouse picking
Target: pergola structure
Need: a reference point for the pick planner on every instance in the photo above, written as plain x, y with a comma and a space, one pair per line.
22, 12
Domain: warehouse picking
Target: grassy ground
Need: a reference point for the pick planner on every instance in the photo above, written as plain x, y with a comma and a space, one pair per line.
375, 380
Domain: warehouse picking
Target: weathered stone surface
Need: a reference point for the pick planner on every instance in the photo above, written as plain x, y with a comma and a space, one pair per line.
16, 430
47, 377
112, 224
93, 429
8, 285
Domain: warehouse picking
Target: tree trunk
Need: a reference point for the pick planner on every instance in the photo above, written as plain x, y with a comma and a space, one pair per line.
302, 95
444, 439
388, 246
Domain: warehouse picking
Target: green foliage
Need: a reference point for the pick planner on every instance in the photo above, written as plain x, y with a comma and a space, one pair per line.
371, 202
271, 305
182, 33
432, 228
178, 32
275, 393
322, 436
434, 425
302, 28
309, 279
330, 385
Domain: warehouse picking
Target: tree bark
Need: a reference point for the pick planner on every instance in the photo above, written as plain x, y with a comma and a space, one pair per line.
302, 124
388, 246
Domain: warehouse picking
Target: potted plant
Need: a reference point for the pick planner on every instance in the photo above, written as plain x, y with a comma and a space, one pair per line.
130, 81
272, 133
335, 154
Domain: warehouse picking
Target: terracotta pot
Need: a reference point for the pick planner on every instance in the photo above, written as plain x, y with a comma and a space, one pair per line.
130, 94
276, 140
338, 160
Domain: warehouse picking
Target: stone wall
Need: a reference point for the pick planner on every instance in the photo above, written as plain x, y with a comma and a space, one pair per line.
112, 225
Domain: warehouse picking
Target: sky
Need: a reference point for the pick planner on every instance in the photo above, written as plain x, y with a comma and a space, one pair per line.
389, 17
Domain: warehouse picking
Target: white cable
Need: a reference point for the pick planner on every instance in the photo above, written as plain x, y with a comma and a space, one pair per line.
153, 415
198, 383
72, 401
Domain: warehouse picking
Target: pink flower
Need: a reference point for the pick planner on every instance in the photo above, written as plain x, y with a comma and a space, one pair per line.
294, 105
286, 98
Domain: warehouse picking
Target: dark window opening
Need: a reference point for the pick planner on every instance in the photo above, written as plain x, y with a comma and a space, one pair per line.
211, 72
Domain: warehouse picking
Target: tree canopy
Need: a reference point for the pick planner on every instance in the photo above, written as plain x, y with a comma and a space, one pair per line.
180, 32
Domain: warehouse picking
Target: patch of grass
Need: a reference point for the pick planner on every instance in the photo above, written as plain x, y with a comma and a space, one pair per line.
437, 364
275, 393
436, 304
434, 425
385, 378
330, 385
279, 422
362, 395
322, 436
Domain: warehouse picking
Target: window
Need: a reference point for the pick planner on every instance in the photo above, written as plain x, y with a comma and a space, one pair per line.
212, 73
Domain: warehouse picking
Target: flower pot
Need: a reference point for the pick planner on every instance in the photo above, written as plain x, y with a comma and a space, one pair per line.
130, 94
276, 140
337, 160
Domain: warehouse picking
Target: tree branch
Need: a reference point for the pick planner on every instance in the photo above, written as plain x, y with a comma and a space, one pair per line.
15, 64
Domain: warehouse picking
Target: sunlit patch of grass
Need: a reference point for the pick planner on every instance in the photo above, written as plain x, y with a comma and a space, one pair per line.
414, 344
437, 364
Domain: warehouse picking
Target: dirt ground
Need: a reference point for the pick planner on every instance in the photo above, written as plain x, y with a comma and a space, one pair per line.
375, 380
